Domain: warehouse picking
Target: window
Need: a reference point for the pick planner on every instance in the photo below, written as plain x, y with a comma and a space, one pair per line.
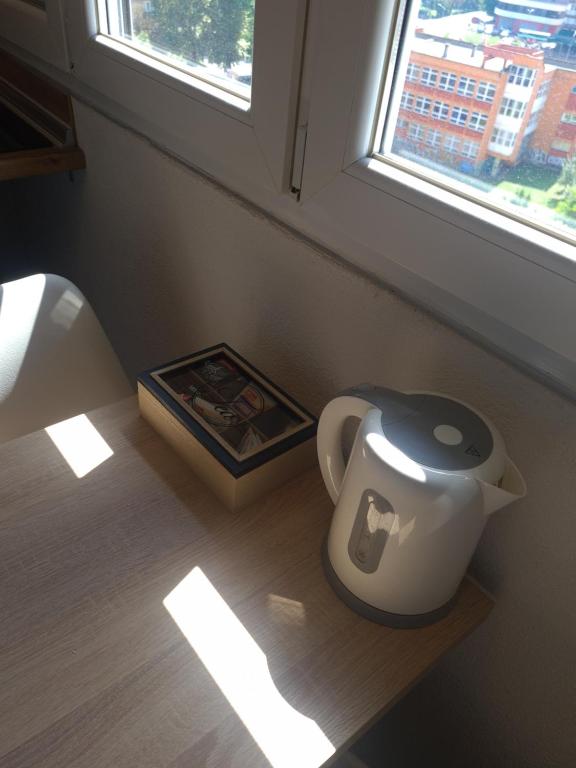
323, 143
429, 76
415, 132
422, 105
521, 76
440, 110
433, 138
561, 145
513, 108
459, 116
210, 41
503, 138
216, 83
486, 92
569, 117
478, 121
466, 87
447, 81
374, 185
451, 143
407, 101
470, 148
412, 73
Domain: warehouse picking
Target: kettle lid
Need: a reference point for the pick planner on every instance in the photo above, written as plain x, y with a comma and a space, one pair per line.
440, 433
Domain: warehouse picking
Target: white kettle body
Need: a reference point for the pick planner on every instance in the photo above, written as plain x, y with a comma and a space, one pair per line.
424, 473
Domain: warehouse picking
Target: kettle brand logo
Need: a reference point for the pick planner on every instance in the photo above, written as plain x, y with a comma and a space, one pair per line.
472, 451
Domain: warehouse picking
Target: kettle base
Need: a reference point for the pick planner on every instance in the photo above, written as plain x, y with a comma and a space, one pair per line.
395, 620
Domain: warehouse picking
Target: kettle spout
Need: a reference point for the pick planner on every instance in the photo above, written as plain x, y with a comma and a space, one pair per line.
510, 488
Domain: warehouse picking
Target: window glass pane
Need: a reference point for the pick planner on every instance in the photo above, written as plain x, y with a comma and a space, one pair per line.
484, 101
210, 39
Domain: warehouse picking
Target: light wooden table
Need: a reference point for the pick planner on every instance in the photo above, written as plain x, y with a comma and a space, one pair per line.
144, 626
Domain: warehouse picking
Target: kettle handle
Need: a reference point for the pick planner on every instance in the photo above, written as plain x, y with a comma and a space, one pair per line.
329, 438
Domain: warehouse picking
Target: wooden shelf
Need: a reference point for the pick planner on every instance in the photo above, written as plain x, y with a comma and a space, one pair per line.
37, 135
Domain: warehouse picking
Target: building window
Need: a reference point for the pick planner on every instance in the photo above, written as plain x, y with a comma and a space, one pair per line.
447, 81
478, 121
569, 117
433, 138
470, 149
486, 92
561, 145
440, 110
459, 116
503, 138
451, 143
429, 76
415, 132
422, 105
466, 87
513, 108
402, 124
521, 76
407, 101
412, 73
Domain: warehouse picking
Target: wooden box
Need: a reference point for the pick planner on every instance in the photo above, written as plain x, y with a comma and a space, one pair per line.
240, 433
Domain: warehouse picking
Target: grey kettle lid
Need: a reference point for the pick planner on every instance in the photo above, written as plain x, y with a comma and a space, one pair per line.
433, 430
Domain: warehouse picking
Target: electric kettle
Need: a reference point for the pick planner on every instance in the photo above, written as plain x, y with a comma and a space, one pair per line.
424, 474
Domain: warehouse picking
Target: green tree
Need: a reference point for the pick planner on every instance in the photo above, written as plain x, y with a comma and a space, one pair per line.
219, 31
567, 178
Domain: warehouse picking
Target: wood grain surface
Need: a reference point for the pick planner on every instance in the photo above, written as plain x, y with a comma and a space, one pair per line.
94, 671
40, 162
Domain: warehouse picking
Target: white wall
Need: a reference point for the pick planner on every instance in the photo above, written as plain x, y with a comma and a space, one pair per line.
172, 263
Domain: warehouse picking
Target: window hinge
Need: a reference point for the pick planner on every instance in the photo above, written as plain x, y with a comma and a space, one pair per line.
298, 164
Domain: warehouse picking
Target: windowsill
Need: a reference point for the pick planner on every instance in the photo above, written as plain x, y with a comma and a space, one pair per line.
527, 242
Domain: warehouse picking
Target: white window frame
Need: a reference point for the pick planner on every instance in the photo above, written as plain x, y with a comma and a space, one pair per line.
422, 105
416, 132
412, 73
433, 138
470, 149
247, 146
459, 116
440, 110
407, 101
447, 81
451, 143
478, 121
486, 91
36, 30
513, 108
429, 77
504, 282
523, 76
466, 87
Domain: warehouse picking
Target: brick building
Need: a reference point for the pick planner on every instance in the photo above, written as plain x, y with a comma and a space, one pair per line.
555, 136
473, 108
540, 18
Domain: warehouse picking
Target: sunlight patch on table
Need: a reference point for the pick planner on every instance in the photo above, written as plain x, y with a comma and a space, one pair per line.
240, 669
80, 444
286, 611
